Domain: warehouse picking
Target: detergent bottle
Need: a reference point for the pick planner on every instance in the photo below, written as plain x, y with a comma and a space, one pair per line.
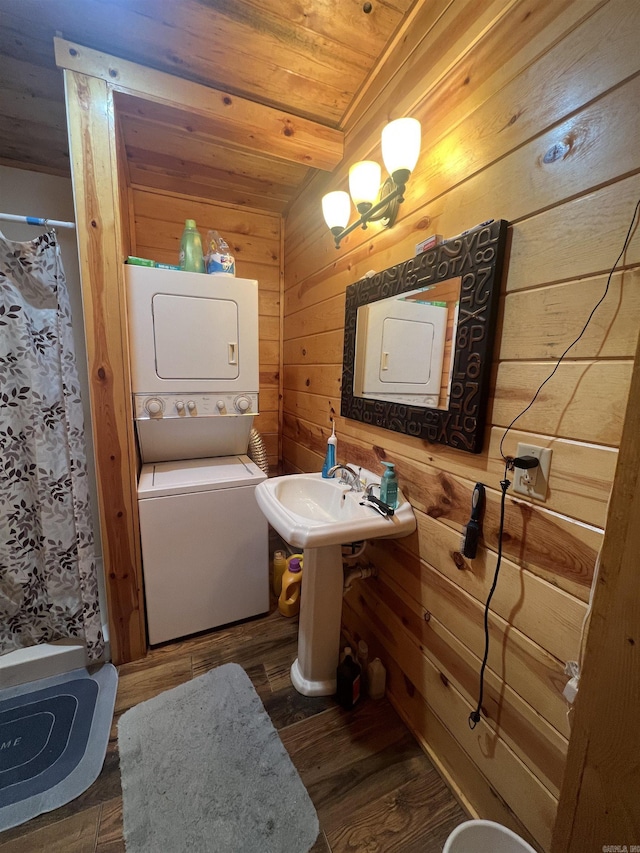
191, 258
289, 601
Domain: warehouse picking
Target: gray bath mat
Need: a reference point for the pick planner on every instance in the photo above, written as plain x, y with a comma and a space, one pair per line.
203, 769
53, 738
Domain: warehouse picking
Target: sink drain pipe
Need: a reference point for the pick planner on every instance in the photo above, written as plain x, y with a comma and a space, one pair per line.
357, 573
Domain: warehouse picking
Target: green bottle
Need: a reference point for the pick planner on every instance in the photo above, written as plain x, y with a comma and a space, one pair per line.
191, 258
389, 486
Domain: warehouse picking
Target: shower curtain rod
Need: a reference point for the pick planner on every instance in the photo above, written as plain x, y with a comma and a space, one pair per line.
34, 220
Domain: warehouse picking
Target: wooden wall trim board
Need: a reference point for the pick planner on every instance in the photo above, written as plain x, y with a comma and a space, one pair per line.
562, 309
99, 205
155, 144
565, 406
248, 124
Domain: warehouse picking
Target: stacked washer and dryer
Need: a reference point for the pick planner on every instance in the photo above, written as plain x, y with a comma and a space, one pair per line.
194, 372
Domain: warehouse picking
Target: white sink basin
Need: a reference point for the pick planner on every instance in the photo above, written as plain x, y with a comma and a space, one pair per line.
321, 515
309, 511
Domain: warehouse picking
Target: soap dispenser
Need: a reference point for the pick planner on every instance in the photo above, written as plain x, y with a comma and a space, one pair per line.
389, 486
330, 457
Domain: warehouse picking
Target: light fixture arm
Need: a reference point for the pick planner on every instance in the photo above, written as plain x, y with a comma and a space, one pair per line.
385, 210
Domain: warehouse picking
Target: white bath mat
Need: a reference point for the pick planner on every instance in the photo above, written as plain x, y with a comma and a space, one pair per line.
203, 769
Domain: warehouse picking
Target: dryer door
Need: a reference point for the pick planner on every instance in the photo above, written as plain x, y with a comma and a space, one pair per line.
195, 337
191, 333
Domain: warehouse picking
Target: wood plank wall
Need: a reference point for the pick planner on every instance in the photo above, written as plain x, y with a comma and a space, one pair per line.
255, 240
530, 113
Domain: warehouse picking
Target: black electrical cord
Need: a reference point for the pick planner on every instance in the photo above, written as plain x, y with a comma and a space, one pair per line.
474, 716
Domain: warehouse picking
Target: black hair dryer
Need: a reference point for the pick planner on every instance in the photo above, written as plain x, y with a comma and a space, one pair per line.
473, 530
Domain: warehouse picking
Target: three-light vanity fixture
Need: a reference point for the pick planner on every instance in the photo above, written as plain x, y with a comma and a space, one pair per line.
375, 203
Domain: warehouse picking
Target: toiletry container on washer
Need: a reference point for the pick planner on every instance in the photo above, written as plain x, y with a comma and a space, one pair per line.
204, 544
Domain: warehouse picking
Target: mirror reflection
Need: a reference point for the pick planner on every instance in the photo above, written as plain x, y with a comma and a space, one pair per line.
404, 346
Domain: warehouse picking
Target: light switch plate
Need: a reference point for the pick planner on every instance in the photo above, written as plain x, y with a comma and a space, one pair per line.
533, 482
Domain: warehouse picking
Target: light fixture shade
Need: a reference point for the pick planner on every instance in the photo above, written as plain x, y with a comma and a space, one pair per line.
364, 184
336, 209
401, 144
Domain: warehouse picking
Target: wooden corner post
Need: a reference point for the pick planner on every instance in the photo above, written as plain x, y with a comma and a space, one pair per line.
98, 206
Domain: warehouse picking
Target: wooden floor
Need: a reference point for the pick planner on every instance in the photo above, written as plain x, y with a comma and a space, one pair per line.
373, 787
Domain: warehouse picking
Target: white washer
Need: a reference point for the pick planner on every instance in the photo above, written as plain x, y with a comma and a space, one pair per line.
204, 545
194, 376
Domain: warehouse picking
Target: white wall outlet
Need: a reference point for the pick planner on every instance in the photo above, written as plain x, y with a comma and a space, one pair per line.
533, 482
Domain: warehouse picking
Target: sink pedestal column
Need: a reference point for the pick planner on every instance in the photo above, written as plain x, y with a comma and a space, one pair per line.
313, 673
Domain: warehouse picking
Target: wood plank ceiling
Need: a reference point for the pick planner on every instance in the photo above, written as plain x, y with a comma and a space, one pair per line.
309, 60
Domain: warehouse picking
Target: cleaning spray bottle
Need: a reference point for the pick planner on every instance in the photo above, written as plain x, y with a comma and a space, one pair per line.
389, 486
330, 457
279, 567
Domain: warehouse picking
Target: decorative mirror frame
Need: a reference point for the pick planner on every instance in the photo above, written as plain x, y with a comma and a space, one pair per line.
477, 256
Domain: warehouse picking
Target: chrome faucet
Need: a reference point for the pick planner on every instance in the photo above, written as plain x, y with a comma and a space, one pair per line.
348, 476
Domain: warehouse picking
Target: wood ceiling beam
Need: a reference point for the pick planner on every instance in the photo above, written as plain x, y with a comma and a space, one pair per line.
229, 119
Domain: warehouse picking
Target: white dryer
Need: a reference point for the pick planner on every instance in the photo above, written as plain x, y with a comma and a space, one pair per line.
193, 341
194, 371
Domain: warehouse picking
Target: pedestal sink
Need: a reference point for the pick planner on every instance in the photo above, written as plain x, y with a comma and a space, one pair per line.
320, 515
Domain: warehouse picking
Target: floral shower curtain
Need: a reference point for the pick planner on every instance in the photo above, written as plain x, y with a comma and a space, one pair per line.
48, 577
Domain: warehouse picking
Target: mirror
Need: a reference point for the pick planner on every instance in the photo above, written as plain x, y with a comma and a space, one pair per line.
404, 346
419, 337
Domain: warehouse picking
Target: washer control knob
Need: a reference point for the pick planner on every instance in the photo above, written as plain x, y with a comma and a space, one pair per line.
243, 404
191, 406
154, 406
220, 405
180, 406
